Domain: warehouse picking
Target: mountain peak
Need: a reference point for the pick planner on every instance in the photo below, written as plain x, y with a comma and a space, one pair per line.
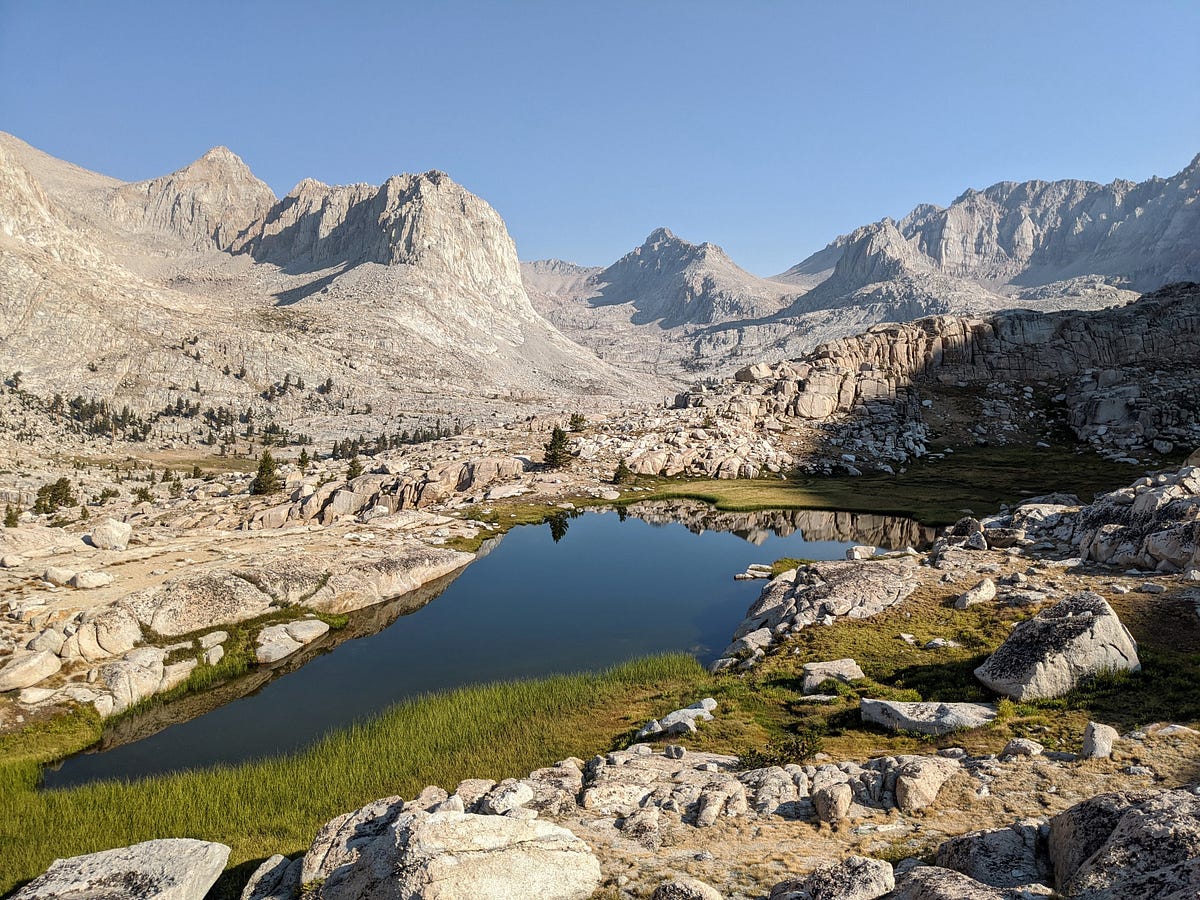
206, 204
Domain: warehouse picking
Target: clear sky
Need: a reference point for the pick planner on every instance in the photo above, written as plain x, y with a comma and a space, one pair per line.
768, 128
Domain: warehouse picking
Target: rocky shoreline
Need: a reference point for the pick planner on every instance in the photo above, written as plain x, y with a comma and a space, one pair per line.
659, 819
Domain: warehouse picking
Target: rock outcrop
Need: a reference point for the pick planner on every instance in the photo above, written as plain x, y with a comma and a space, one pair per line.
1120, 378
1055, 651
444, 855
1132, 844
166, 869
817, 593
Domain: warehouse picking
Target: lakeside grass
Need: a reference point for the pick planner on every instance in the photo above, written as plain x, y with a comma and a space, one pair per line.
508, 729
975, 481
276, 805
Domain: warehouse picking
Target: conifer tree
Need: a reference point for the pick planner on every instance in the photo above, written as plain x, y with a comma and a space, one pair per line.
354, 469
267, 480
303, 460
558, 454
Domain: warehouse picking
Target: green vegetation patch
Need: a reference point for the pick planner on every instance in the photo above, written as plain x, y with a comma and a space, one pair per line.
938, 492
276, 805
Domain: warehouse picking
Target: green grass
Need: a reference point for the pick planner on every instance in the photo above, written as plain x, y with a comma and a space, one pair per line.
978, 480
276, 805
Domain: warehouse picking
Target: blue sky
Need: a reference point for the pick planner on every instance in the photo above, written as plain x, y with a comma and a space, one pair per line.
768, 128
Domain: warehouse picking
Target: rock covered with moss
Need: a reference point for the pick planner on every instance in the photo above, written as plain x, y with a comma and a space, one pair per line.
1058, 649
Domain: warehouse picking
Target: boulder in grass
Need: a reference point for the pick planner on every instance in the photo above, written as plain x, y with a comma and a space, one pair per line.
1060, 648
167, 869
816, 674
927, 718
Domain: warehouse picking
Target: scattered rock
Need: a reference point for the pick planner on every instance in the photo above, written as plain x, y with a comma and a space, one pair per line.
980, 593
843, 670
927, 718
58, 576
28, 668
111, 535
683, 888
90, 580
171, 868
854, 878
1022, 747
833, 802
1098, 740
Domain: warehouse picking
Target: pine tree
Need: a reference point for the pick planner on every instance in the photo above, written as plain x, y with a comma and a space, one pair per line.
267, 480
354, 469
624, 474
577, 422
558, 454
11, 516
303, 461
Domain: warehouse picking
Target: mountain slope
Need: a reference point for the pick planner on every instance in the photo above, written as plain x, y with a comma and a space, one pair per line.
1032, 233
201, 286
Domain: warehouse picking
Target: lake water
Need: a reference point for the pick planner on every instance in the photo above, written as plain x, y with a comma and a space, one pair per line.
606, 591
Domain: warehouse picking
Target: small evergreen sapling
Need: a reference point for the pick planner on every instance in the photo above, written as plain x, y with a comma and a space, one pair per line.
558, 454
267, 480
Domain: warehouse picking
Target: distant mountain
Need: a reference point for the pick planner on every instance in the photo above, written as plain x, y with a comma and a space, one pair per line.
1034, 233
687, 308
207, 204
645, 310
202, 286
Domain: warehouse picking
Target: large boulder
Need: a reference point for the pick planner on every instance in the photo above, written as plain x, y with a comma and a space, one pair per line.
278, 878
843, 670
1052, 653
927, 718
111, 535
1128, 844
854, 878
449, 855
167, 869
133, 678
191, 603
1004, 857
26, 669
920, 778
936, 883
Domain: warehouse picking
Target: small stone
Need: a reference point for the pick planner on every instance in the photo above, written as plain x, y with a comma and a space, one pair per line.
1023, 747
1098, 740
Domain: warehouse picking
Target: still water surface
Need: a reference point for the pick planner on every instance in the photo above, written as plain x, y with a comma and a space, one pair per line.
607, 591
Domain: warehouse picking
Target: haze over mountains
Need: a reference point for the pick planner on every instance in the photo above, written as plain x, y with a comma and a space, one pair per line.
1045, 245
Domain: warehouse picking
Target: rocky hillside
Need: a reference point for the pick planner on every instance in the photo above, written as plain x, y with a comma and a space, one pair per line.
1121, 379
659, 306
201, 288
1013, 236
1039, 245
